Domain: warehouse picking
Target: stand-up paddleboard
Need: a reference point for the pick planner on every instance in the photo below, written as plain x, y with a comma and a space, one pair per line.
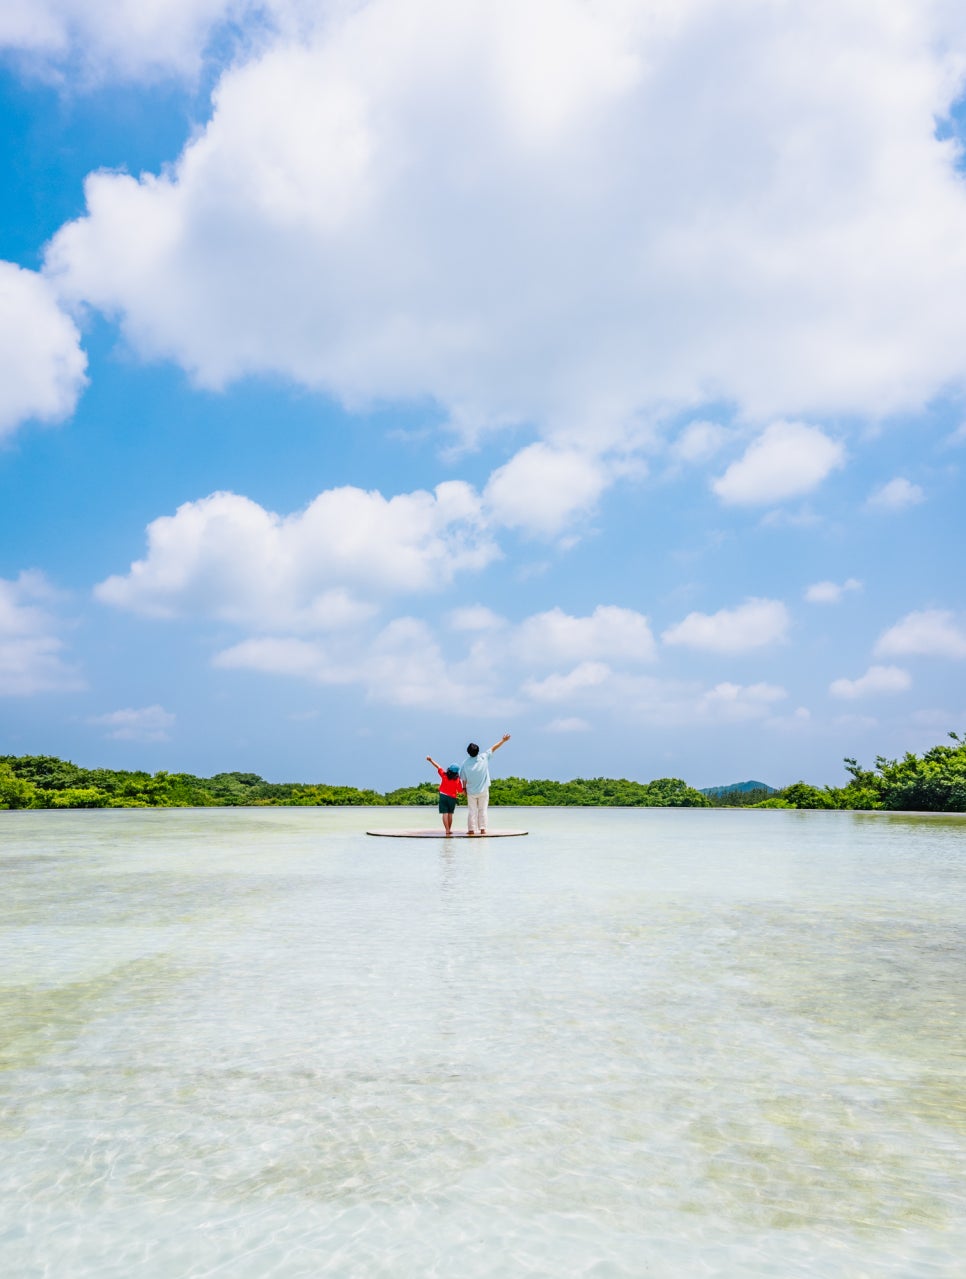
441, 834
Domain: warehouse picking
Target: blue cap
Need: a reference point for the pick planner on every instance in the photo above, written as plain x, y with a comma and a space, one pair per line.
453, 770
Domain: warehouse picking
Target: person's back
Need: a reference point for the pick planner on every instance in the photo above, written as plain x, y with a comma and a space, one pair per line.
475, 775
450, 789
475, 772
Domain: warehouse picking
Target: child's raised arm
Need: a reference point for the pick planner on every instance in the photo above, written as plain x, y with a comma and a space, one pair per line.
430, 760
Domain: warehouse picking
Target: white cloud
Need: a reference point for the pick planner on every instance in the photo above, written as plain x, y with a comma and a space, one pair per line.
226, 557
403, 665
608, 633
786, 460
280, 656
553, 212
31, 658
144, 724
877, 679
928, 633
561, 688
896, 495
830, 592
541, 488
127, 38
742, 701
795, 722
644, 700
752, 625
41, 361
568, 724
476, 617
505, 668
698, 442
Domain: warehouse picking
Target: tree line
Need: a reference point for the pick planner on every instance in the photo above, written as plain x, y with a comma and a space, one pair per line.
932, 782
44, 781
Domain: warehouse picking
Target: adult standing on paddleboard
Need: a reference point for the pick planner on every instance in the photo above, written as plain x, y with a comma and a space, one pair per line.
475, 776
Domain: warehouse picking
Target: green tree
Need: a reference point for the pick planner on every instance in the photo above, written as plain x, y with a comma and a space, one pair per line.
936, 783
46, 771
77, 797
15, 792
802, 795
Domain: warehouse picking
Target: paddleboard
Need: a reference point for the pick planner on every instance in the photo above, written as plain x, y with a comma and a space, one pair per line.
439, 834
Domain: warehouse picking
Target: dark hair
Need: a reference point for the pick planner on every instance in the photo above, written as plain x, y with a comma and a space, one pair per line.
473, 750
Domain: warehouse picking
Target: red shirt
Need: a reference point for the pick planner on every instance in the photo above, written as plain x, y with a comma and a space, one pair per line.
449, 785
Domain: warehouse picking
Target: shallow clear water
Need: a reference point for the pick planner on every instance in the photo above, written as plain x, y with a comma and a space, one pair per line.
257, 1044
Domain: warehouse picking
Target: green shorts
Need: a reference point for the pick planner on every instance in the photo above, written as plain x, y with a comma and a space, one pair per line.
447, 803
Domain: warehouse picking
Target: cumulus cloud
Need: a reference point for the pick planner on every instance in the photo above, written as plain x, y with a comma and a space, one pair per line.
877, 679
127, 38
557, 213
698, 442
743, 701
547, 660
648, 700
608, 633
930, 632
562, 688
896, 495
403, 665
226, 557
281, 656
752, 625
541, 488
658, 702
31, 652
41, 361
144, 724
788, 459
476, 617
830, 592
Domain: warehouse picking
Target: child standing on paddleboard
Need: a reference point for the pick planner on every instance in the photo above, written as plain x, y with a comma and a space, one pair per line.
450, 787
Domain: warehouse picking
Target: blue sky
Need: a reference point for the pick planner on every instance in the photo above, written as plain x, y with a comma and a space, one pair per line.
380, 376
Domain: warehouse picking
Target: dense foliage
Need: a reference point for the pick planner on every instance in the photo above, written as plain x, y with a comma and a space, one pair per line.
597, 792
933, 782
42, 781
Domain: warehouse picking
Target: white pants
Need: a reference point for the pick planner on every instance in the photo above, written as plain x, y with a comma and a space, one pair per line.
476, 806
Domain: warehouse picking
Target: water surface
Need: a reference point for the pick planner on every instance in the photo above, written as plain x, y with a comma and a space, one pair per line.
257, 1044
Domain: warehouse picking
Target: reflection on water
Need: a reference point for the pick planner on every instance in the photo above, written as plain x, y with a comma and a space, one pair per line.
259, 1045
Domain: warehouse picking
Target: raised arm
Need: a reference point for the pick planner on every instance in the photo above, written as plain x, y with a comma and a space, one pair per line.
503, 739
430, 760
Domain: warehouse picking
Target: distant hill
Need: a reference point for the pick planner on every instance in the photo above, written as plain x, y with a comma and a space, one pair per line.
738, 787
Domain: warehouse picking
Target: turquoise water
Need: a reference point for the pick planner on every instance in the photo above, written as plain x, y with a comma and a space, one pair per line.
257, 1044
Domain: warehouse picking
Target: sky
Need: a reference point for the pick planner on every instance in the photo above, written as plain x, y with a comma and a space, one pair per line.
381, 375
